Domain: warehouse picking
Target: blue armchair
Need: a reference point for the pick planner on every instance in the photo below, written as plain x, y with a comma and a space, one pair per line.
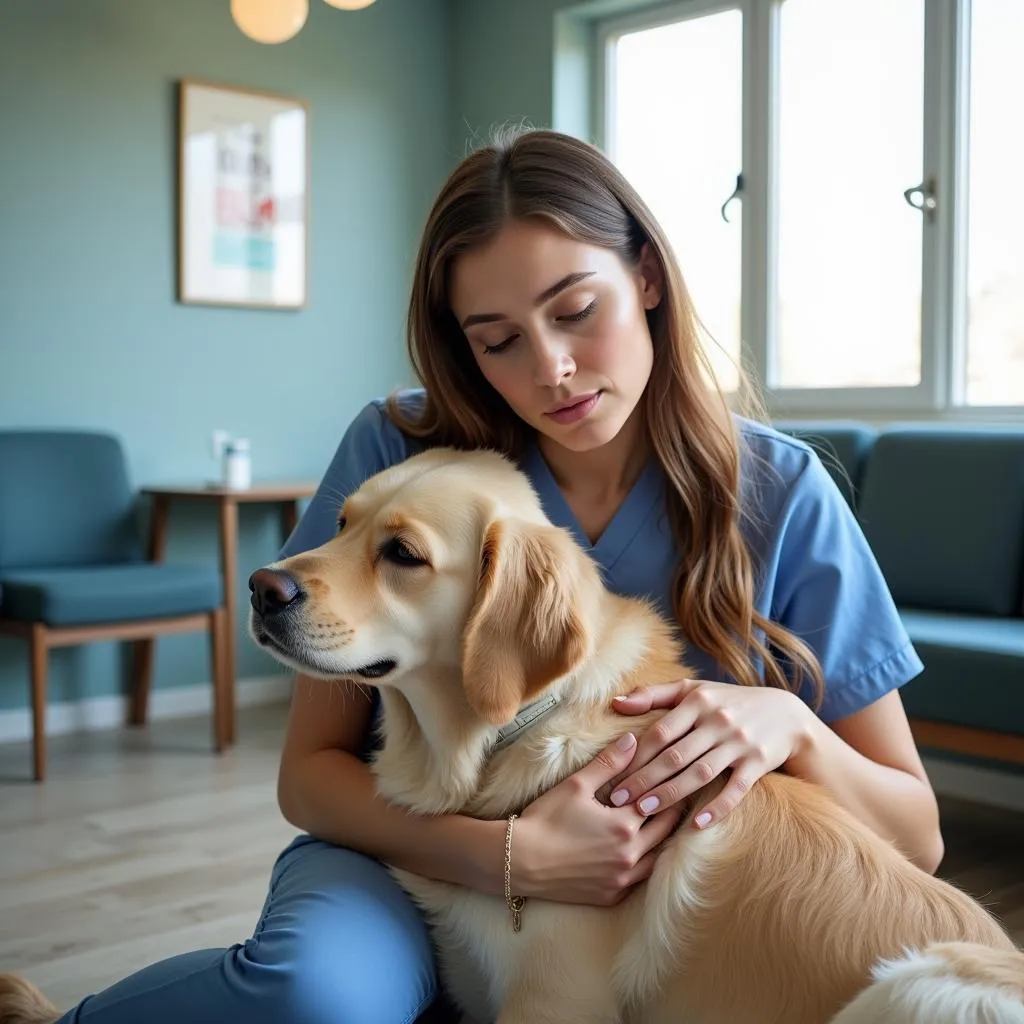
73, 569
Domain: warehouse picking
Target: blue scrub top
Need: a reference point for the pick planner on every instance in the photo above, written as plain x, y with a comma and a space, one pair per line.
815, 573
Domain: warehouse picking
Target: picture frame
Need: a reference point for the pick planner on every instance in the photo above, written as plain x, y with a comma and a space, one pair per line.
243, 197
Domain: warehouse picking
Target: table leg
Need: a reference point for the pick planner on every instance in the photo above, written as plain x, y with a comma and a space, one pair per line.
289, 518
143, 650
221, 689
229, 571
38, 651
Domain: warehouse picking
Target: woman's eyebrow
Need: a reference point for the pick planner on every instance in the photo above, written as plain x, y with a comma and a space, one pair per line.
549, 293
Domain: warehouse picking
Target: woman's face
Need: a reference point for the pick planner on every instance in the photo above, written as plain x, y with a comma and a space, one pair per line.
558, 328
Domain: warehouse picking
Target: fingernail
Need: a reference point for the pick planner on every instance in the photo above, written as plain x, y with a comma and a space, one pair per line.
649, 804
619, 797
621, 696
702, 819
625, 742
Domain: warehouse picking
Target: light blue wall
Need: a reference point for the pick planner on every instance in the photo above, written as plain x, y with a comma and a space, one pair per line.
529, 60
90, 332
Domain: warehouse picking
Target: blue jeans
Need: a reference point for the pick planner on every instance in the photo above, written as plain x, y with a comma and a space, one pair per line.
338, 942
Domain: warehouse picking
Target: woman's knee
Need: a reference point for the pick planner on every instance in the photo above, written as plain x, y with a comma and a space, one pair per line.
330, 994
341, 943
324, 985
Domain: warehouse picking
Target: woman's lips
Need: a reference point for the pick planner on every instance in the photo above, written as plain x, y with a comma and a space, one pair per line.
576, 411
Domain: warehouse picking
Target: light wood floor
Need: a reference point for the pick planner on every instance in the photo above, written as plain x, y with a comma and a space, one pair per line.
144, 844
140, 845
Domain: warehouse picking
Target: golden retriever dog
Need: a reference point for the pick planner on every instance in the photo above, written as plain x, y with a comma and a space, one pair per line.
449, 589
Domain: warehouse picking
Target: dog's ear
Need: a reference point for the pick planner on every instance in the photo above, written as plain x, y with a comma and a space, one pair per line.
525, 629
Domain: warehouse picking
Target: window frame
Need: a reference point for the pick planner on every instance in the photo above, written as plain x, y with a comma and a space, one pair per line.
945, 132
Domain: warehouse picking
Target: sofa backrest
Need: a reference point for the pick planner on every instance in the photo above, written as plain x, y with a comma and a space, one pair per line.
943, 511
65, 500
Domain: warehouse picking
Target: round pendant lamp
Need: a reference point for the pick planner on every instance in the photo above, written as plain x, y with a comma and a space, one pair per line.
270, 21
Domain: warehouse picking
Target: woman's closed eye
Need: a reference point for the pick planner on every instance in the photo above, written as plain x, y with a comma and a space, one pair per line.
570, 318
581, 315
490, 350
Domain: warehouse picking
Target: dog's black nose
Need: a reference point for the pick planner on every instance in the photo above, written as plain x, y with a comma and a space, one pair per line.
273, 590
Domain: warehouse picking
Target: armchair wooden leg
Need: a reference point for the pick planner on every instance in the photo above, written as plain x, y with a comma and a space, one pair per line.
38, 661
223, 706
141, 680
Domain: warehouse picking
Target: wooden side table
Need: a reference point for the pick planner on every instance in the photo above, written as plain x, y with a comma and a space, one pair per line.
226, 500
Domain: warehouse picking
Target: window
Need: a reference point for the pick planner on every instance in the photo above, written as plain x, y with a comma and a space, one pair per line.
995, 237
878, 263
849, 246
678, 123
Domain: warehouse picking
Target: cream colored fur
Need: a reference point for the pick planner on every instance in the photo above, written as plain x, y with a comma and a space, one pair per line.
784, 913
22, 1003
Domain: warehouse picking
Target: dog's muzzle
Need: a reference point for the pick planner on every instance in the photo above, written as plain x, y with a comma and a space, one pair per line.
275, 593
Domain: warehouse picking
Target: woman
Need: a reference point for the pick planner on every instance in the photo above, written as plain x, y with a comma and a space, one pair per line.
548, 319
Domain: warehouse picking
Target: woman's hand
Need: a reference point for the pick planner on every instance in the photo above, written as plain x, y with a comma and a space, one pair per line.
710, 728
569, 847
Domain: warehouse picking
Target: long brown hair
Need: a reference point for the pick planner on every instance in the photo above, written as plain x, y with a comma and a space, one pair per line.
572, 185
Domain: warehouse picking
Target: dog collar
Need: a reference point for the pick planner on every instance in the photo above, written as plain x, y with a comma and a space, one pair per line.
528, 716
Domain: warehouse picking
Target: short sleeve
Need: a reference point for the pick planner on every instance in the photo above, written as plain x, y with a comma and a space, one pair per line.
371, 444
828, 590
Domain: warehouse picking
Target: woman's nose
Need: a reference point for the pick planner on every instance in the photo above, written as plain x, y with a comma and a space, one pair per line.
553, 364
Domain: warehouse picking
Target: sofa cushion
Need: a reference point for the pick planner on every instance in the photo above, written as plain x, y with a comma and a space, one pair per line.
842, 447
943, 511
974, 670
117, 593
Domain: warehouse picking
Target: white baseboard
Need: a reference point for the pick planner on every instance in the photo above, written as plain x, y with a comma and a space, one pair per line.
110, 712
979, 785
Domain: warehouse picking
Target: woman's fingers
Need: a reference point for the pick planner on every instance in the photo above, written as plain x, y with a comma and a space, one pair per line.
641, 871
653, 836
669, 763
650, 698
744, 774
706, 768
657, 828
638, 774
607, 764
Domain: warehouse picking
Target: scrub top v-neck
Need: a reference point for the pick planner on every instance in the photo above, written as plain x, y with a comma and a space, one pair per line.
643, 500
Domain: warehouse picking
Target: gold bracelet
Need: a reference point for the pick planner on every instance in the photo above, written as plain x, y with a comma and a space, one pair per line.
515, 903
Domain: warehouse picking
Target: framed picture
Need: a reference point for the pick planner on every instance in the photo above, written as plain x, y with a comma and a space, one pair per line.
243, 197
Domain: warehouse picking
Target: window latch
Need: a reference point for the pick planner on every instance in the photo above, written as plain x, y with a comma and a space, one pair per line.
922, 197
737, 193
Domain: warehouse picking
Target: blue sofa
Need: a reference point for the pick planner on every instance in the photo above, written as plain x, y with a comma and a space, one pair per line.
943, 510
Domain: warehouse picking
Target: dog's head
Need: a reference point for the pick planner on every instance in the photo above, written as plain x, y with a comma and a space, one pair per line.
444, 566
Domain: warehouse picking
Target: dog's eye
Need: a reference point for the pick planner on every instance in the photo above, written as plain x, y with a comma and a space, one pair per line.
400, 553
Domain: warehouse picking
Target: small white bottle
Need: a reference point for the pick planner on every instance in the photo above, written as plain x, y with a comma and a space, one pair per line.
237, 465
